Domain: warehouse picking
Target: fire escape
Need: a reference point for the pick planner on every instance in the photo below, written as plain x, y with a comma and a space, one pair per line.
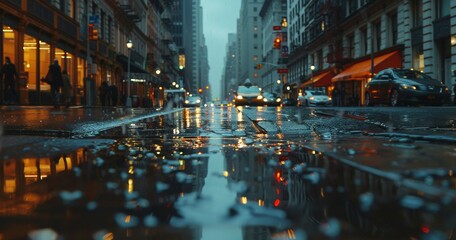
130, 8
338, 55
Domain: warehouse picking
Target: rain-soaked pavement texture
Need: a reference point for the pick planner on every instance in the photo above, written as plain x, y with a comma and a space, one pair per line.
223, 173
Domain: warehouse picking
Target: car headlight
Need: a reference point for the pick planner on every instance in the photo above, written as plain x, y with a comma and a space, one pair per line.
260, 97
198, 101
278, 100
329, 98
312, 98
186, 101
239, 97
408, 86
265, 99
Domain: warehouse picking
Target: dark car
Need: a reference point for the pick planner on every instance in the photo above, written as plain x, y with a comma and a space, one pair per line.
271, 99
395, 86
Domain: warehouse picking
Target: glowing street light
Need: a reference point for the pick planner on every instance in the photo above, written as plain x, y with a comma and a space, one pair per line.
129, 46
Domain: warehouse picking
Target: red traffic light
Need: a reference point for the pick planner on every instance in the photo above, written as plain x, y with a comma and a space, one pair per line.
277, 42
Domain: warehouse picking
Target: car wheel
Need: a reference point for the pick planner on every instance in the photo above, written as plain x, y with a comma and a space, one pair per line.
394, 98
367, 100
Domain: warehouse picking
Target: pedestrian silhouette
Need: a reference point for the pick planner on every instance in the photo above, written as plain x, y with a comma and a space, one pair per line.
114, 94
103, 92
54, 78
66, 88
9, 76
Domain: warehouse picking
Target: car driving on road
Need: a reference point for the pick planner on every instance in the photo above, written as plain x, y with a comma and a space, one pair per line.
248, 94
314, 98
396, 86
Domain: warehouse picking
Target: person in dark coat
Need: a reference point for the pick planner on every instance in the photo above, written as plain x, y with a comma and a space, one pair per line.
56, 82
9, 76
103, 92
114, 94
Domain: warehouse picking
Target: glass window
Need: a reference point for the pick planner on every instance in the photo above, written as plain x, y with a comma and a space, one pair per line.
393, 28
30, 62
45, 61
9, 47
417, 12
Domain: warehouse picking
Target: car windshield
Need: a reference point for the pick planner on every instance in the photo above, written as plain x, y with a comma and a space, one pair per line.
193, 98
411, 74
316, 93
269, 95
248, 90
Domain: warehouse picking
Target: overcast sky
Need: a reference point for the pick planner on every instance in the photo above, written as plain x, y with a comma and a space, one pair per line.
219, 19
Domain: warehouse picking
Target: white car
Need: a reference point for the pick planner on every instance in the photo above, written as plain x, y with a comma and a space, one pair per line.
314, 98
193, 101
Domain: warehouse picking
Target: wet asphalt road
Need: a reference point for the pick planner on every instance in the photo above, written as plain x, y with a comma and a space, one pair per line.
226, 173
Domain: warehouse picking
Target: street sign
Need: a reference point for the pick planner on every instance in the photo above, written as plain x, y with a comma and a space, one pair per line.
276, 28
282, 70
95, 19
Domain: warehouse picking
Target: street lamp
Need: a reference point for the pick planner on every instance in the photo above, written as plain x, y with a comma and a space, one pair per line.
312, 68
129, 46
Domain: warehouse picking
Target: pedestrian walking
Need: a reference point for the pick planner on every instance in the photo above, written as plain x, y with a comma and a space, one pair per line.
103, 92
66, 88
9, 76
114, 94
54, 78
335, 96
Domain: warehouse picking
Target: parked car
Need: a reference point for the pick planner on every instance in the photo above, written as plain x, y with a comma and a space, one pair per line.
193, 101
289, 102
314, 98
395, 86
248, 94
271, 99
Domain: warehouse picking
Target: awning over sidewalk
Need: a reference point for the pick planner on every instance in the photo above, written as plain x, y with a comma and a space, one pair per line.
321, 80
362, 70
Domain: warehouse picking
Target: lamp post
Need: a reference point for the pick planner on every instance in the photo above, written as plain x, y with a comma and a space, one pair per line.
129, 46
312, 68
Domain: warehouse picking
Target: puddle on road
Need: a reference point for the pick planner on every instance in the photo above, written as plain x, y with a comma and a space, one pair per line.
197, 179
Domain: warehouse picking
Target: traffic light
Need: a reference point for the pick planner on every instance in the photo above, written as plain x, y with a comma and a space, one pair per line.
277, 42
259, 66
200, 90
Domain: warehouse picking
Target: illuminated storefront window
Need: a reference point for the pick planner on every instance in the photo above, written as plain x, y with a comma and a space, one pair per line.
30, 63
9, 46
45, 61
65, 60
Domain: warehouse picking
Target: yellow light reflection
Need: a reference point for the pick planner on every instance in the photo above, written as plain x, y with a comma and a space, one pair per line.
291, 234
226, 174
260, 203
244, 200
130, 185
108, 236
131, 170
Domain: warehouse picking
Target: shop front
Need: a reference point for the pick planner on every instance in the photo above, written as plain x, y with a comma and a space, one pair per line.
32, 46
350, 82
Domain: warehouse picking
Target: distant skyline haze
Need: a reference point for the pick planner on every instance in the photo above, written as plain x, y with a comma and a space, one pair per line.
219, 19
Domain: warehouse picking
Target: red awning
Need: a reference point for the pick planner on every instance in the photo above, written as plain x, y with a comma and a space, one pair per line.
362, 70
321, 80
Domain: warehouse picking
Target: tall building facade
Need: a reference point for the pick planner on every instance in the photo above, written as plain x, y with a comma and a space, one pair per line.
347, 41
89, 39
250, 40
230, 69
189, 38
274, 48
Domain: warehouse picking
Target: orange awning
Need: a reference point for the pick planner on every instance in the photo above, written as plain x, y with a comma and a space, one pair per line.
321, 80
362, 70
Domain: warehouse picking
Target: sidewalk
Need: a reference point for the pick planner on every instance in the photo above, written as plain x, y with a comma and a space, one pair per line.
48, 121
